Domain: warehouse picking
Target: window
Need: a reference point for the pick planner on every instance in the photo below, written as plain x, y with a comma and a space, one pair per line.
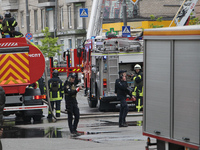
79, 43
69, 17
62, 48
70, 43
61, 18
42, 19
79, 19
50, 19
22, 19
36, 20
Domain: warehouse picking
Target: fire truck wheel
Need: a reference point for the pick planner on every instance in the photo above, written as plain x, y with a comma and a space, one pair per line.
37, 118
92, 103
27, 119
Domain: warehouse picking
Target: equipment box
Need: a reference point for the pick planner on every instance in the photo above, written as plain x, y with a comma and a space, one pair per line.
172, 85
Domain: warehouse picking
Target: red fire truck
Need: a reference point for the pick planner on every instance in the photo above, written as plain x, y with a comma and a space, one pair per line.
73, 58
103, 58
21, 64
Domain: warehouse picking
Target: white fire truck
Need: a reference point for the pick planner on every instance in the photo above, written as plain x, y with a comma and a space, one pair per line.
103, 58
171, 87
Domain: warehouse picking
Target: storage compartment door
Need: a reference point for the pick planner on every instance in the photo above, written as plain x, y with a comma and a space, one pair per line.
186, 90
157, 101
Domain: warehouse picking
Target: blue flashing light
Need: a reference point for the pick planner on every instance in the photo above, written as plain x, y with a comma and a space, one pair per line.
93, 37
128, 35
104, 57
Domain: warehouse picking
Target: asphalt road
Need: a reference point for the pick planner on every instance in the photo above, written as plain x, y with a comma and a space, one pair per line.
99, 131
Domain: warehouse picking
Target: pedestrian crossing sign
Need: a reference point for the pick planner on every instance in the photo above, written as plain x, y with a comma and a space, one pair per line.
126, 31
83, 12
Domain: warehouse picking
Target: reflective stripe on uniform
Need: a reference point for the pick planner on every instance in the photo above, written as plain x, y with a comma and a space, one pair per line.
139, 105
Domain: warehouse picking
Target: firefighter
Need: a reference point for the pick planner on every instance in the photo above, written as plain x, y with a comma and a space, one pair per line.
138, 87
1, 26
72, 104
121, 89
9, 24
2, 105
56, 92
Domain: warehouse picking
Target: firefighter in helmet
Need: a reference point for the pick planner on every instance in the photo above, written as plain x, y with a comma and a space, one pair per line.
9, 24
138, 87
56, 92
71, 91
1, 26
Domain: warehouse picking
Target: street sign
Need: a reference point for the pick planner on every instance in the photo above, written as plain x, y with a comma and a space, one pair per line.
126, 31
83, 12
134, 1
29, 36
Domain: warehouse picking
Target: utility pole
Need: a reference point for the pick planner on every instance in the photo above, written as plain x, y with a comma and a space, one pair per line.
27, 18
124, 12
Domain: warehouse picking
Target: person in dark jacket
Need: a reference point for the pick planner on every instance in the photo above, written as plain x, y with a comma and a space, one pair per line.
121, 89
1, 26
72, 104
2, 105
9, 23
56, 92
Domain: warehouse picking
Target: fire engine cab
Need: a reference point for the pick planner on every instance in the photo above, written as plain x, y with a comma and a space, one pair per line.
103, 58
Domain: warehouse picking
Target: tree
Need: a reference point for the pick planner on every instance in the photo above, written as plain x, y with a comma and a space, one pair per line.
193, 20
158, 20
49, 45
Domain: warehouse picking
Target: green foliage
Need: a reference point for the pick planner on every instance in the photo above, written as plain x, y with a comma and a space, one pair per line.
49, 45
194, 21
160, 19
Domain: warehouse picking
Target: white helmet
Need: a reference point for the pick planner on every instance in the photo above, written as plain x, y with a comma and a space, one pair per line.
137, 66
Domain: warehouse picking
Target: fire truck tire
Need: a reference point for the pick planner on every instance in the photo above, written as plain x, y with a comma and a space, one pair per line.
26, 118
92, 103
37, 118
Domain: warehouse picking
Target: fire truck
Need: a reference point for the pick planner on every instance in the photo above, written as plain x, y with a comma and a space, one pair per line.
72, 64
103, 58
21, 64
171, 88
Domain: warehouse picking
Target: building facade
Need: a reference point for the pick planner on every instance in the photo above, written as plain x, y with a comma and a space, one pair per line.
62, 17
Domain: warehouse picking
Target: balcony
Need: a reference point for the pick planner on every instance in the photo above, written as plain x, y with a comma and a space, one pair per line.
74, 1
46, 3
8, 5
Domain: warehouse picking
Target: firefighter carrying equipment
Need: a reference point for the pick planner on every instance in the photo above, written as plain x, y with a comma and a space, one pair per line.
1, 26
56, 91
9, 24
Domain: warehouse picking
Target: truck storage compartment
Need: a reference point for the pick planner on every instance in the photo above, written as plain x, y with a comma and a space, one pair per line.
171, 86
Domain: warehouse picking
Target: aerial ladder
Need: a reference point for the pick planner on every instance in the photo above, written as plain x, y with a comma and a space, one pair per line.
183, 14
96, 19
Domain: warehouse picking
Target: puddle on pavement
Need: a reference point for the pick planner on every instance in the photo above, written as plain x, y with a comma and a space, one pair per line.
10, 131
16, 132
110, 123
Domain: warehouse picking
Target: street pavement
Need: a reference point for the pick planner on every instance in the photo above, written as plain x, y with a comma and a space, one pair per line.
99, 130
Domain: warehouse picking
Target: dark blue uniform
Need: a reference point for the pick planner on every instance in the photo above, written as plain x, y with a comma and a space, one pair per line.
122, 91
71, 105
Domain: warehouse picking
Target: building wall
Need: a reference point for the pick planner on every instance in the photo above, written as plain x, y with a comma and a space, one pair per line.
159, 7
197, 9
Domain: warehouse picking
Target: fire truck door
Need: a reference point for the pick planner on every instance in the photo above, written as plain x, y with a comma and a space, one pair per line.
113, 69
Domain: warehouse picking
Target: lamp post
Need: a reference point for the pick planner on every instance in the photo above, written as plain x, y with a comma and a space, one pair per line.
27, 18
124, 13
